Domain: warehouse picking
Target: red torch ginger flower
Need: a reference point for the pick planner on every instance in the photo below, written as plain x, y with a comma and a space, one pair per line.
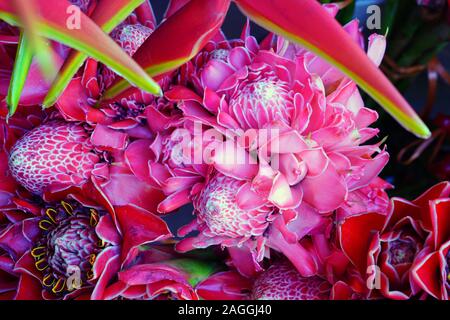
58, 155
388, 249
431, 271
72, 249
68, 244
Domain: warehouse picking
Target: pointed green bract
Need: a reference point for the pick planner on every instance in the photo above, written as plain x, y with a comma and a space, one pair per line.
40, 47
22, 65
196, 270
308, 24
88, 38
177, 40
107, 15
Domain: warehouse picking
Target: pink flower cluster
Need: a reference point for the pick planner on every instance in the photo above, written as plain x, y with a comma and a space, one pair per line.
271, 145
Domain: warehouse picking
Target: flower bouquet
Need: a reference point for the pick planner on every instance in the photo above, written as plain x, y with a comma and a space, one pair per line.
146, 158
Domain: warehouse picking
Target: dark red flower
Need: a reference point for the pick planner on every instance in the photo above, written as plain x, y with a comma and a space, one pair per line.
385, 248
431, 271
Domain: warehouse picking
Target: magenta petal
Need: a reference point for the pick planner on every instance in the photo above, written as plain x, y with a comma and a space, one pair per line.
123, 189
215, 73
174, 201
371, 170
73, 102
103, 258
296, 253
316, 161
150, 273
227, 285
239, 57
326, 192
211, 100
244, 261
158, 173
248, 199
174, 184
109, 139
14, 240
110, 267
107, 231
234, 161
137, 155
281, 193
139, 227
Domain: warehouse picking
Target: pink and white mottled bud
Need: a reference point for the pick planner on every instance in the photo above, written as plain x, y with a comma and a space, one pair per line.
55, 152
218, 208
283, 282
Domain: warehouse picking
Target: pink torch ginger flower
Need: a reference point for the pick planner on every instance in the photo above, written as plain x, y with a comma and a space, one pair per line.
224, 219
310, 164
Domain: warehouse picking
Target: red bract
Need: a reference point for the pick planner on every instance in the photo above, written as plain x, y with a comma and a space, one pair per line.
58, 154
158, 56
431, 271
387, 249
160, 273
